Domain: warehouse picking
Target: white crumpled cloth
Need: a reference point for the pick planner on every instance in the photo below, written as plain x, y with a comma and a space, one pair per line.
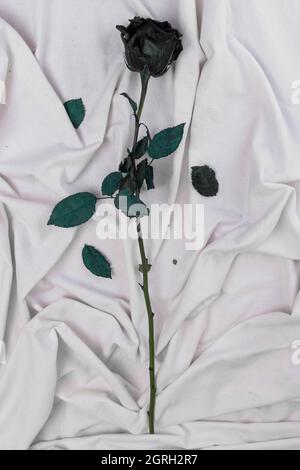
228, 316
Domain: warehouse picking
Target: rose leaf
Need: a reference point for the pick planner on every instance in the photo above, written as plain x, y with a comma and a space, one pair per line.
111, 183
141, 173
131, 101
95, 262
204, 181
140, 148
76, 111
73, 210
130, 204
166, 142
149, 177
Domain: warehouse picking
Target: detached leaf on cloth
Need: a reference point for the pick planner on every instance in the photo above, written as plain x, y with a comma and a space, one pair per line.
131, 102
95, 262
111, 183
74, 210
76, 111
204, 181
166, 142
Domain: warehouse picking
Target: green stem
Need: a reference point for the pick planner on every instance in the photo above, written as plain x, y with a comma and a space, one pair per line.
145, 271
145, 81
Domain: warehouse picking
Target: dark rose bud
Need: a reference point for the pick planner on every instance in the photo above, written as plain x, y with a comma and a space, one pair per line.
150, 46
204, 181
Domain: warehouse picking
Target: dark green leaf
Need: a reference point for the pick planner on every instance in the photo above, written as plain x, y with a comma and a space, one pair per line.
140, 173
140, 148
147, 130
129, 182
76, 111
149, 177
95, 262
126, 165
74, 210
166, 142
111, 183
204, 181
130, 204
131, 101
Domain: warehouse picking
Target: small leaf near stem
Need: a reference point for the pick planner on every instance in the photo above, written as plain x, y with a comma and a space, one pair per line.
131, 102
141, 148
130, 204
111, 183
166, 142
141, 173
147, 129
149, 177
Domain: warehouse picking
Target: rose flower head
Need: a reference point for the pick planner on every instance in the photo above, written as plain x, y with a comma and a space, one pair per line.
150, 46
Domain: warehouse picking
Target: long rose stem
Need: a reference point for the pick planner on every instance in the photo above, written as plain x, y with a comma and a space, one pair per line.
145, 271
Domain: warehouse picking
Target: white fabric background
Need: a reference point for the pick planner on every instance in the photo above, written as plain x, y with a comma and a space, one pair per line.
226, 317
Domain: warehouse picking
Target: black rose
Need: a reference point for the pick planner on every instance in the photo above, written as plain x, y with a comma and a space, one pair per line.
204, 181
150, 46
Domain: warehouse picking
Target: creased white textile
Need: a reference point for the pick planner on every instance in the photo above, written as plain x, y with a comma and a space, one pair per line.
227, 317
